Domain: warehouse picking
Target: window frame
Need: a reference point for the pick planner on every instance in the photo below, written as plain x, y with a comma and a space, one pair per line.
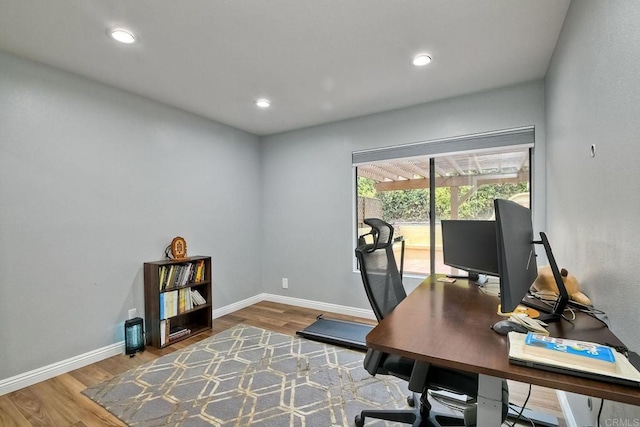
523, 137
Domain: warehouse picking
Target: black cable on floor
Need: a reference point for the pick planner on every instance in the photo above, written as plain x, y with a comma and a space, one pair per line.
600, 411
522, 409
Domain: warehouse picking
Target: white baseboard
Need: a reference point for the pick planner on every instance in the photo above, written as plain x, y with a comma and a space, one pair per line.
322, 306
26, 379
228, 309
46, 372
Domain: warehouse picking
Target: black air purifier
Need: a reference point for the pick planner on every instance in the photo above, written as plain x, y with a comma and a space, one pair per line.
134, 336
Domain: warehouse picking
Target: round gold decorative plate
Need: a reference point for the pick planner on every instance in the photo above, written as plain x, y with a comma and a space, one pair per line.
178, 247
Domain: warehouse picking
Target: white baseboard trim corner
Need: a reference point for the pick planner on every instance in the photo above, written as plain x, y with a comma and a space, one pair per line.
26, 379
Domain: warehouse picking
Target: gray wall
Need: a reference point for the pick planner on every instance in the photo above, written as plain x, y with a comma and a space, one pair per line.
95, 181
593, 94
593, 97
308, 184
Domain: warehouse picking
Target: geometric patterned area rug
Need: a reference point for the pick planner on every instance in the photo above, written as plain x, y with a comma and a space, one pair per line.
247, 376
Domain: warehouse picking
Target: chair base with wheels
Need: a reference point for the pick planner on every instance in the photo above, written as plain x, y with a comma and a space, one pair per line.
425, 417
410, 416
407, 416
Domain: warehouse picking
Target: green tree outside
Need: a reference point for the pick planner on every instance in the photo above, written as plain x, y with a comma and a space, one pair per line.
413, 205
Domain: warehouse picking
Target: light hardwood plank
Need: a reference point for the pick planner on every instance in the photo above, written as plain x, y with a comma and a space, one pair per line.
38, 409
10, 415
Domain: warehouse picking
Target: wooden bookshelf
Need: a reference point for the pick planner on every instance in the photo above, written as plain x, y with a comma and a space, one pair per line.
169, 300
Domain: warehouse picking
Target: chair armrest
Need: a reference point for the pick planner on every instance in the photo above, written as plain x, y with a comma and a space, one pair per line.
418, 379
372, 361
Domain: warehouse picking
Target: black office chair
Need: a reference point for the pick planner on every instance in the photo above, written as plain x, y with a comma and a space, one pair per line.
383, 285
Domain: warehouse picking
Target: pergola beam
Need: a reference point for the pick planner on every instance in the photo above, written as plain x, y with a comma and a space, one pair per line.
440, 171
399, 172
477, 163
382, 172
452, 181
417, 170
454, 165
366, 173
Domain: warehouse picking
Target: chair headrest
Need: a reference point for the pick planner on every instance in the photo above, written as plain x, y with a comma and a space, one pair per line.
382, 233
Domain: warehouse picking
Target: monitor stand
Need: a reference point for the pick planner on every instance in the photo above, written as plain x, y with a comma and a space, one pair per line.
482, 279
554, 314
545, 311
479, 279
472, 277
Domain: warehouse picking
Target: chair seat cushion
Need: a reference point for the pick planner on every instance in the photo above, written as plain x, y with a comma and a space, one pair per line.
453, 380
397, 366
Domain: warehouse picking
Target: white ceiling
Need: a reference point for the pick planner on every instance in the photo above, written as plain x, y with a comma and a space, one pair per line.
317, 60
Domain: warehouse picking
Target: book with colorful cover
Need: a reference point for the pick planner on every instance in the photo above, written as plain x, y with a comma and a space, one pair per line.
555, 359
572, 351
199, 271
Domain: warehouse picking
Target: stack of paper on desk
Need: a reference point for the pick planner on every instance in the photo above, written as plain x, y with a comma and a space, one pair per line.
572, 357
534, 325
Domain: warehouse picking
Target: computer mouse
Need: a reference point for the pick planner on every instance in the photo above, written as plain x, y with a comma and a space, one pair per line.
503, 327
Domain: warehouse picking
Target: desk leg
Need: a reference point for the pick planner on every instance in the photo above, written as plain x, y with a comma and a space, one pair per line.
489, 401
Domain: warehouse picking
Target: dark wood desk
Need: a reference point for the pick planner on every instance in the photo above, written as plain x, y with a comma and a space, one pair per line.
448, 325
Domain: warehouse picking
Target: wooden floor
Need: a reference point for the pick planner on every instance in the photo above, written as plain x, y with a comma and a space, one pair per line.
59, 402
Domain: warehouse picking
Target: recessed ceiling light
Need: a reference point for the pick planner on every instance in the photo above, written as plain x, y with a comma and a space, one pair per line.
263, 103
421, 60
122, 35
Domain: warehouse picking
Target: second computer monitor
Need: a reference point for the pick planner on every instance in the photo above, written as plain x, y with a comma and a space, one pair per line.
470, 245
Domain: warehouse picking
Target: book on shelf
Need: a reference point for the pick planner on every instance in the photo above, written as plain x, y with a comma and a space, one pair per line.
172, 306
184, 274
169, 333
178, 332
197, 298
186, 302
174, 303
169, 304
573, 357
164, 331
167, 275
199, 275
179, 275
170, 276
162, 273
179, 301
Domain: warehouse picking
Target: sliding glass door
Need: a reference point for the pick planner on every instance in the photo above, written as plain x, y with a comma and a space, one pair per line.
416, 193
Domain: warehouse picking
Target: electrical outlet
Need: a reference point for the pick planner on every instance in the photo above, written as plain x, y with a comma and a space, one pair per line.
285, 283
132, 313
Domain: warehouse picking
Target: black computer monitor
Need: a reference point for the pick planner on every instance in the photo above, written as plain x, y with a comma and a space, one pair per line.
517, 258
470, 245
